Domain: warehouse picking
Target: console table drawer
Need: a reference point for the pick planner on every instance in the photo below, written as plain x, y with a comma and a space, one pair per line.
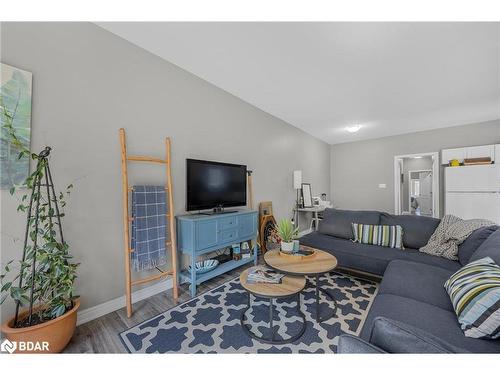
228, 223
228, 235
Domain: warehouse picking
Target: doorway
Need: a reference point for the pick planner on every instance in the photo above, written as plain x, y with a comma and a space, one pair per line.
416, 184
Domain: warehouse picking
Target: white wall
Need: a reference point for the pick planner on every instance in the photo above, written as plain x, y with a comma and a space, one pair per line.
359, 167
87, 83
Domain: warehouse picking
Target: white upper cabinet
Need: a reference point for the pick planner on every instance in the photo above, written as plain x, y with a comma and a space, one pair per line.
481, 152
470, 153
453, 153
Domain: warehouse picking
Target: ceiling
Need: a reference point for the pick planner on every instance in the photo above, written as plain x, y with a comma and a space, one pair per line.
391, 78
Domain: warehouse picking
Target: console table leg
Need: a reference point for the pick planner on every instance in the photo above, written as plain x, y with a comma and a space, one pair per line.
192, 287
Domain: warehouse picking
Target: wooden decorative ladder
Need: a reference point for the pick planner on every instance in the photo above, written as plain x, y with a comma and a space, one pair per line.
127, 219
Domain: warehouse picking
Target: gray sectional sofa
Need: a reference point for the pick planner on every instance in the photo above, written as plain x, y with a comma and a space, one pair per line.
411, 291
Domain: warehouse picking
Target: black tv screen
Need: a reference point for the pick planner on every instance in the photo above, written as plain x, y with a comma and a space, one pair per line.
212, 184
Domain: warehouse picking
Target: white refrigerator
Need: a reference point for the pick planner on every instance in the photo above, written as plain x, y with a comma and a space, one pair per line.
473, 192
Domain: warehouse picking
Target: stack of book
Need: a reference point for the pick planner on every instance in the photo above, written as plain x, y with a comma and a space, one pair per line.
264, 275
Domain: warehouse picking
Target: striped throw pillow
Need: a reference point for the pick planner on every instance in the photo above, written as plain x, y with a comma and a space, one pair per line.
475, 294
381, 235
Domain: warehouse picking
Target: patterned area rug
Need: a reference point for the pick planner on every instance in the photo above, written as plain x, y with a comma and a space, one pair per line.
210, 322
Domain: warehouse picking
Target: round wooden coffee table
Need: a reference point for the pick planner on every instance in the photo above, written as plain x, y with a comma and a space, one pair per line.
315, 265
290, 286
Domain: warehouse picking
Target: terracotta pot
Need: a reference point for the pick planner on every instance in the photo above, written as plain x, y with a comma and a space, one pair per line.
56, 332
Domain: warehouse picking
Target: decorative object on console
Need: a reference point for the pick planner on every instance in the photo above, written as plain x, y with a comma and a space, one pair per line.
128, 219
204, 266
306, 195
287, 234
223, 255
15, 104
475, 294
236, 251
45, 282
267, 224
380, 235
245, 250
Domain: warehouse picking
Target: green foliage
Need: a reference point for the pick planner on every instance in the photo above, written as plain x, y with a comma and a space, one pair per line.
286, 230
54, 274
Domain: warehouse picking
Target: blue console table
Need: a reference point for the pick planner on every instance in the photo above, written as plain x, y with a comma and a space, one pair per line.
201, 234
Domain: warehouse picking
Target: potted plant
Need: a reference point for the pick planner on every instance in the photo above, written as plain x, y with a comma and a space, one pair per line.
42, 286
287, 233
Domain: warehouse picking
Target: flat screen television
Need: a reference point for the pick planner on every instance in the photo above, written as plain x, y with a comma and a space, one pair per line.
214, 185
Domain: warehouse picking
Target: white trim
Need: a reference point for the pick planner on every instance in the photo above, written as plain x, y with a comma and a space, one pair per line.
104, 308
304, 232
409, 184
435, 181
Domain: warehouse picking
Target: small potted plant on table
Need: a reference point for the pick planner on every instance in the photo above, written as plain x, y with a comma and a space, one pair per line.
287, 233
42, 287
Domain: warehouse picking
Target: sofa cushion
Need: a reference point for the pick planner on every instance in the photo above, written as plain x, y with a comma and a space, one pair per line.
439, 322
417, 281
395, 337
475, 293
472, 243
380, 235
416, 229
338, 222
349, 344
489, 248
370, 258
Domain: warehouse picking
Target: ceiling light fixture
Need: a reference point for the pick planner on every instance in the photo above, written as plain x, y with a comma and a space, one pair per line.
353, 129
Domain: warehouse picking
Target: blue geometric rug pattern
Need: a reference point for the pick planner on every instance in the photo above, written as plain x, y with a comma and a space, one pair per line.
210, 322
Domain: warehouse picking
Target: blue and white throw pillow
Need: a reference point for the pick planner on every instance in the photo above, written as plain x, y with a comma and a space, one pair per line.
380, 235
475, 294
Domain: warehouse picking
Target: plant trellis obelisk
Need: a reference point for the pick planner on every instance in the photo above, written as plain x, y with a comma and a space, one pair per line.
33, 221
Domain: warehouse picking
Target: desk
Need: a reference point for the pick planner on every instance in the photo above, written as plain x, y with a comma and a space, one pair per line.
315, 211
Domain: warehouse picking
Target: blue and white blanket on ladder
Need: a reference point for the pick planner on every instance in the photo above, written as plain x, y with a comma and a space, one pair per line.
149, 227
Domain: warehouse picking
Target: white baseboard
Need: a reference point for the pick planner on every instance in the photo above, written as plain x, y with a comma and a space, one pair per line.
95, 312
304, 232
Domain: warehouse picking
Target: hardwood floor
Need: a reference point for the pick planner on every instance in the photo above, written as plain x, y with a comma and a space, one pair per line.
101, 335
